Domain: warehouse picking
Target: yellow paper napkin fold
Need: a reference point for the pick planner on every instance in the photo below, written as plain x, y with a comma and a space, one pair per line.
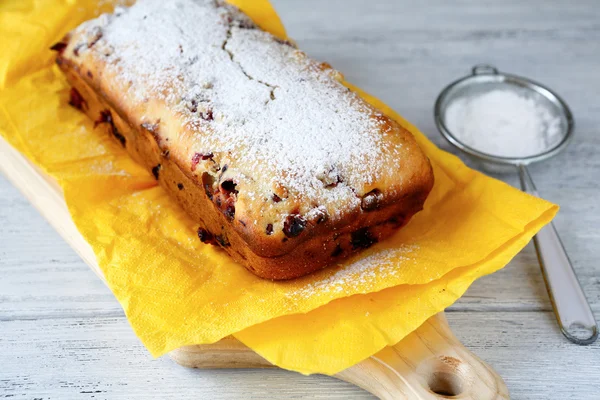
176, 291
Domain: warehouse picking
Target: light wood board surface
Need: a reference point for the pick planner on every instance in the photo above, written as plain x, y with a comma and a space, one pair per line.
428, 364
62, 334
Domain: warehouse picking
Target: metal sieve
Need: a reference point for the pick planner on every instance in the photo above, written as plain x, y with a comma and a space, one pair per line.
570, 306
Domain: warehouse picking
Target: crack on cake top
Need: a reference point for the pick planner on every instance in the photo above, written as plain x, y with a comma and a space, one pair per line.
232, 58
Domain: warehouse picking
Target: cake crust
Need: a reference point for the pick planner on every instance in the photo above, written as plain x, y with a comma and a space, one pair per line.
355, 179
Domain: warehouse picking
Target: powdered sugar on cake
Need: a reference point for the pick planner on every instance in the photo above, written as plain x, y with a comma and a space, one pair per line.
249, 96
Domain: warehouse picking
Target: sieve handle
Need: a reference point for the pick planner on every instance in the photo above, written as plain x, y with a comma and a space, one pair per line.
570, 306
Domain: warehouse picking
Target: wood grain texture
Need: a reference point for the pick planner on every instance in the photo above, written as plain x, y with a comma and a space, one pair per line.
62, 334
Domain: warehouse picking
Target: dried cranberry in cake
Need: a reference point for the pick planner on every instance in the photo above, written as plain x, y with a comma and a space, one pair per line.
269, 229
372, 200
193, 106
76, 100
195, 161
197, 157
279, 191
156, 171
229, 208
228, 187
362, 239
118, 135
222, 240
293, 225
105, 117
225, 201
207, 183
59, 47
206, 237
229, 212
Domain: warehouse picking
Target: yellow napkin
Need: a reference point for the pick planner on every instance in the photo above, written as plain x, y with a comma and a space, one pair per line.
177, 291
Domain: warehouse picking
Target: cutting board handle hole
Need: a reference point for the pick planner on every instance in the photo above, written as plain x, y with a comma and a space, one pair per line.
445, 384
446, 376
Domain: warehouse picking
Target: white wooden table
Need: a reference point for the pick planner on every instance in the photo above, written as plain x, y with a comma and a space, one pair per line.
63, 335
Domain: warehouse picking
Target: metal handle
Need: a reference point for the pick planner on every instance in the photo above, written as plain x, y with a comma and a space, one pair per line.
570, 306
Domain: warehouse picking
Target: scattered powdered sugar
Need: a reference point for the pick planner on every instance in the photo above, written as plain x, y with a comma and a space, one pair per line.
365, 272
103, 167
503, 123
251, 97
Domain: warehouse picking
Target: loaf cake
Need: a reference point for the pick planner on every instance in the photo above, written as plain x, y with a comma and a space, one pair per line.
276, 160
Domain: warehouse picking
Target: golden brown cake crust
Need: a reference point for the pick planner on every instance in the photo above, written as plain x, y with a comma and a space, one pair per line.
276, 226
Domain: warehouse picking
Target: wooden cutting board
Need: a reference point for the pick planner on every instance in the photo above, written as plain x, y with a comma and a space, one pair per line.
430, 363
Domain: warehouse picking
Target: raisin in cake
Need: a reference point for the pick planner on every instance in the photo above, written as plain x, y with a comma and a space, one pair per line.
276, 160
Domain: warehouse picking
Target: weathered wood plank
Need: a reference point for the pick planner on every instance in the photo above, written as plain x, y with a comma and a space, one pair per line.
42, 277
